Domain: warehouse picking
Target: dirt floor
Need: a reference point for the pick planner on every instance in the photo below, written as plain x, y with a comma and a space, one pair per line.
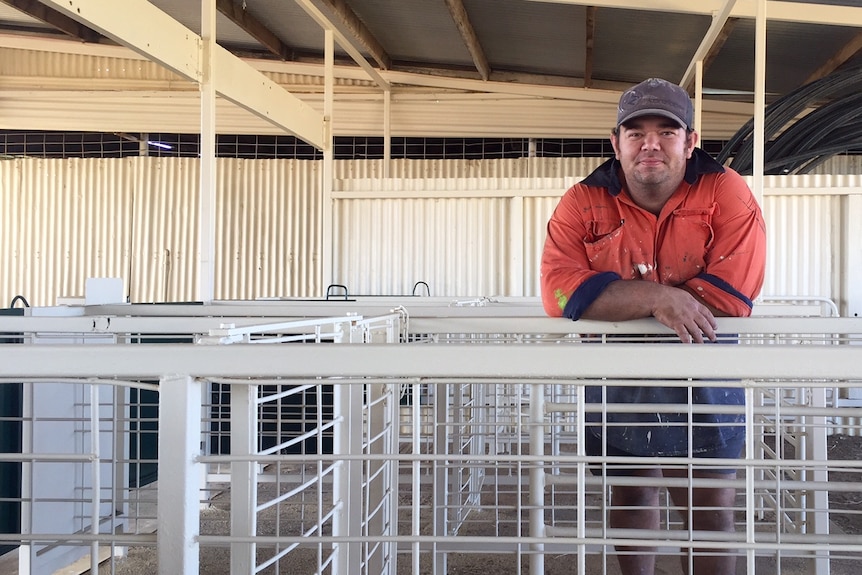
846, 518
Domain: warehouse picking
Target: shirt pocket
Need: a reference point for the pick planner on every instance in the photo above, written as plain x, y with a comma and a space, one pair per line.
604, 246
691, 236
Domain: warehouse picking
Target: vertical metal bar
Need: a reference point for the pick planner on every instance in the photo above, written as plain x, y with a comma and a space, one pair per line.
815, 449
206, 207
387, 133
441, 474
759, 99
95, 480
243, 476
582, 476
415, 526
750, 509
179, 475
537, 477
328, 158
340, 476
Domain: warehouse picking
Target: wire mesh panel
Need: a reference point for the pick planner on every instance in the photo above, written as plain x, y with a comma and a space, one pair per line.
464, 446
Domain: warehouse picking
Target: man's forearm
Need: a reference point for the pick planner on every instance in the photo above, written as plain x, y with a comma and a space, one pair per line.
626, 299
674, 307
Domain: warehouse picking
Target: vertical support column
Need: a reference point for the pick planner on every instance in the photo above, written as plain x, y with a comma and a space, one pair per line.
515, 272
327, 251
759, 99
387, 132
207, 196
537, 477
179, 475
243, 476
698, 99
851, 247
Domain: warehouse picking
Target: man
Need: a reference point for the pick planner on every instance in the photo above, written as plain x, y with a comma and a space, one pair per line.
661, 230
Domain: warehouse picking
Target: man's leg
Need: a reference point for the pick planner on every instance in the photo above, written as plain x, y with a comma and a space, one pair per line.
636, 508
713, 510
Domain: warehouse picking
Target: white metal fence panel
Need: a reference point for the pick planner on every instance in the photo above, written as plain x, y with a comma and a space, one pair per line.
498, 469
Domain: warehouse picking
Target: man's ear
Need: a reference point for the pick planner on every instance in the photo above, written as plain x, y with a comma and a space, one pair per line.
615, 143
692, 138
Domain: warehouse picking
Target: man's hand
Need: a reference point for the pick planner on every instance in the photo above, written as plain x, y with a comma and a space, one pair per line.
674, 307
690, 319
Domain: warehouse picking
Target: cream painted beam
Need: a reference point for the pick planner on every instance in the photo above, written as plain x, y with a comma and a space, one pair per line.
709, 38
143, 28
154, 34
246, 87
810, 12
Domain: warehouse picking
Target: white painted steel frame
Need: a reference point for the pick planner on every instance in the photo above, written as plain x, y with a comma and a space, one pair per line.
806, 325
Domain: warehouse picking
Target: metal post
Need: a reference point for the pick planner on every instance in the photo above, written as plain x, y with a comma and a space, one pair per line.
537, 477
243, 476
179, 475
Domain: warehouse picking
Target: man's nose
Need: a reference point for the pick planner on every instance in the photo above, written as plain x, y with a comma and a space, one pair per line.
650, 141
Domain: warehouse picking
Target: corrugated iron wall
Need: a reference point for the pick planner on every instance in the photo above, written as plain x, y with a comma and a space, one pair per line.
467, 228
136, 218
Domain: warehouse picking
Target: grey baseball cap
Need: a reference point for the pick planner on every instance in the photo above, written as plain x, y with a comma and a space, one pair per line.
656, 97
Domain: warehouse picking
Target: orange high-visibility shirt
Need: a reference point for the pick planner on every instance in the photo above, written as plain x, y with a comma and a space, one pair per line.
710, 236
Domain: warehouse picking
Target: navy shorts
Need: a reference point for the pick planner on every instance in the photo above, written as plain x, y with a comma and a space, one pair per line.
731, 450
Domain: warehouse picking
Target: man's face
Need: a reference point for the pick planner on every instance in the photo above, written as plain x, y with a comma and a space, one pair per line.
653, 150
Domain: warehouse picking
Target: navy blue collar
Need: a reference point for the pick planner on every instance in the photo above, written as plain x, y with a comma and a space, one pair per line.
607, 175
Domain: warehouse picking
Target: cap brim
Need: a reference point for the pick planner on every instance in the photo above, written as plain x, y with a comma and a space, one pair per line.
653, 112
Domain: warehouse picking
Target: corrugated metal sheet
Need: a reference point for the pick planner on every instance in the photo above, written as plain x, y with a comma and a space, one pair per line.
466, 228
62, 221
34, 63
136, 218
456, 246
504, 168
72, 92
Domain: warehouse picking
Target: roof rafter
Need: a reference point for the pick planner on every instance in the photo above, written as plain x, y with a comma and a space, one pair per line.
56, 19
846, 52
321, 11
255, 28
357, 28
589, 41
462, 21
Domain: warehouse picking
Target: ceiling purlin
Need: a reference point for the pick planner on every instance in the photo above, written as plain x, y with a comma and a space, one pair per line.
56, 19
589, 41
462, 21
341, 10
846, 52
257, 30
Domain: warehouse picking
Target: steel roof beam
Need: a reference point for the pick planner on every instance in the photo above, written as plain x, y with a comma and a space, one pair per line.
144, 28
56, 19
